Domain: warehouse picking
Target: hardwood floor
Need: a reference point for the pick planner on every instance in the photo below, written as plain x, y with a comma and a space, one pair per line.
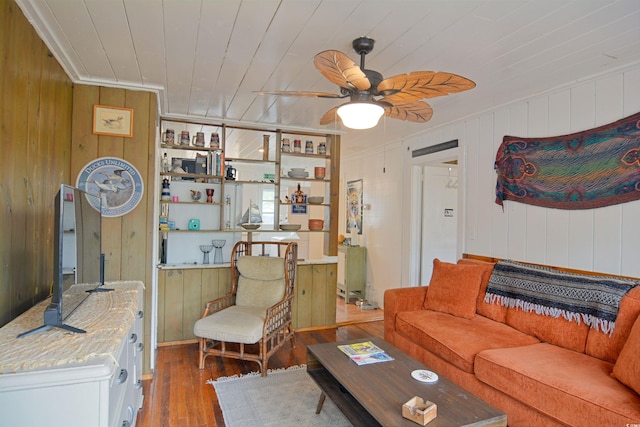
180, 396
351, 313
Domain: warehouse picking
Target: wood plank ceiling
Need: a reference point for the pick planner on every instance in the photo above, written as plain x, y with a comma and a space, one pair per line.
207, 58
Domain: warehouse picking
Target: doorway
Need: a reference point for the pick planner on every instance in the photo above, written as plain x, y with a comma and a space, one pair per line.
436, 212
439, 211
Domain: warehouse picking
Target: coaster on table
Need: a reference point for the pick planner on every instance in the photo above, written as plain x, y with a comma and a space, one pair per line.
424, 376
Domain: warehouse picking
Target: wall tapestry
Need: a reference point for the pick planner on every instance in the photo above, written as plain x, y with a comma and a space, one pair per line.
117, 182
354, 206
590, 169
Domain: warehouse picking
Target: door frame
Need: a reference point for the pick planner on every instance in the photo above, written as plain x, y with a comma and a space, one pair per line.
412, 224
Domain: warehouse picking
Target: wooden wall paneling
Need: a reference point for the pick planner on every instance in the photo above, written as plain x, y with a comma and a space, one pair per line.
160, 311
7, 22
17, 100
84, 144
35, 128
304, 297
33, 167
134, 224
55, 128
173, 309
111, 146
191, 301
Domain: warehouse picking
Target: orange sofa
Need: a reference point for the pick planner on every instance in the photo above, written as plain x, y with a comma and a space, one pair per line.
539, 370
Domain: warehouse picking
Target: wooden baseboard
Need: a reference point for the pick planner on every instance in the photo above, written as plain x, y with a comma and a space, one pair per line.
568, 270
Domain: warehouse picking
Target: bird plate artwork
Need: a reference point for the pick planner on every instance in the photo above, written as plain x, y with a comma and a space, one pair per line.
116, 181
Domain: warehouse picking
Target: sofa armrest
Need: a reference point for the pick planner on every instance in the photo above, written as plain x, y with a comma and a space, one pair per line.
397, 300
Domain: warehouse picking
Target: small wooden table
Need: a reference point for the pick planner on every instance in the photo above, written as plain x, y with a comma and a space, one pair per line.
373, 394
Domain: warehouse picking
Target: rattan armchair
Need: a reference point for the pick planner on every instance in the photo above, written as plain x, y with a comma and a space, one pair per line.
254, 319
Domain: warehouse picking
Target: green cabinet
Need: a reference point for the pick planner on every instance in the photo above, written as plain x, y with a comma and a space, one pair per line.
352, 272
315, 301
182, 295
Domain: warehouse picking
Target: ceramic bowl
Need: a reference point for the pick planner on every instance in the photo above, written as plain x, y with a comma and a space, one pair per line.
315, 200
250, 226
297, 169
289, 227
316, 224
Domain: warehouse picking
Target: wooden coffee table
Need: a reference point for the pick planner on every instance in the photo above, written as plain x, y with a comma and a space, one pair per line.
372, 395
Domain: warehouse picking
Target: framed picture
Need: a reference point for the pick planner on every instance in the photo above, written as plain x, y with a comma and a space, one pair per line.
354, 206
113, 121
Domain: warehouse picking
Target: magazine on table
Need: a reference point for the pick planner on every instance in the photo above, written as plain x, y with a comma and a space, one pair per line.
365, 353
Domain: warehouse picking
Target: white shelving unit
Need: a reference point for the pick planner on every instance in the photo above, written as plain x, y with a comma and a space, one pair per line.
260, 178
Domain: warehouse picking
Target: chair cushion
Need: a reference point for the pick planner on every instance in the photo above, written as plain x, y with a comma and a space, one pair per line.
454, 288
233, 324
261, 267
261, 282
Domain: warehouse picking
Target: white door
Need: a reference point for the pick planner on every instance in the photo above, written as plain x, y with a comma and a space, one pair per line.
439, 217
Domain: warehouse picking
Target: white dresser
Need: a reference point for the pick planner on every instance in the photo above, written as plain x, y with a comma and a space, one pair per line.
58, 378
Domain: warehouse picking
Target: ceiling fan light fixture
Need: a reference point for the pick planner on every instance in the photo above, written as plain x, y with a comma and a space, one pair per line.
360, 115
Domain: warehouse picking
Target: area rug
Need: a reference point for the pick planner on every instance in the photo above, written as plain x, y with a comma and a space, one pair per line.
282, 398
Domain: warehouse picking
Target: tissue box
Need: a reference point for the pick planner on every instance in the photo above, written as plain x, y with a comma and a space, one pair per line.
419, 410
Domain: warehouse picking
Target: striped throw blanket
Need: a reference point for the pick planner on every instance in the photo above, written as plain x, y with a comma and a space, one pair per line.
592, 299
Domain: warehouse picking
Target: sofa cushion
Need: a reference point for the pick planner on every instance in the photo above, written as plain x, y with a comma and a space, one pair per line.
454, 288
496, 312
558, 331
569, 386
607, 347
627, 367
455, 339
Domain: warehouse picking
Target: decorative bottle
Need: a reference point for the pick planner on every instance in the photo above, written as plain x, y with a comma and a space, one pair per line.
166, 191
298, 195
165, 163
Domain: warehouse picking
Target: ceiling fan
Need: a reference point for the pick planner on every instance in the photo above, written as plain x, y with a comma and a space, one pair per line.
398, 97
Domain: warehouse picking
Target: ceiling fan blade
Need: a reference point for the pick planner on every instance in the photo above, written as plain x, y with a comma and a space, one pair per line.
330, 116
308, 94
416, 111
422, 84
338, 68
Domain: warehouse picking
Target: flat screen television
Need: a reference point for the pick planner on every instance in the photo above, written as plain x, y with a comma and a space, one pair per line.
77, 256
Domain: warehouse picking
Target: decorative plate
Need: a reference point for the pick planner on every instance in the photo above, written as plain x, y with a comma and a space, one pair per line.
424, 376
117, 182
